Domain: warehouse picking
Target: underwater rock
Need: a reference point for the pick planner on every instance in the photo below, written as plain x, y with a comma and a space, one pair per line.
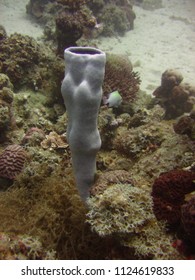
168, 194
119, 76
12, 161
175, 97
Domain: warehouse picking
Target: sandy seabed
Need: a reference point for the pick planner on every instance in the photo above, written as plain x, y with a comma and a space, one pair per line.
161, 39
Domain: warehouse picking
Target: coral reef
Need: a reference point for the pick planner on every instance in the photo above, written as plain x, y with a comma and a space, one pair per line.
116, 17
33, 137
81, 19
54, 141
109, 178
6, 106
119, 76
175, 97
186, 125
125, 211
19, 54
168, 193
188, 218
133, 142
12, 161
22, 247
71, 25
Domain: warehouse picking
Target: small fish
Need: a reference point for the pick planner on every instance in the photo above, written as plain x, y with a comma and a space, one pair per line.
114, 99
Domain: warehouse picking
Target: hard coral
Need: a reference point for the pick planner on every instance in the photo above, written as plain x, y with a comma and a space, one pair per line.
168, 193
72, 4
119, 75
71, 24
33, 136
22, 247
6, 108
185, 126
54, 141
12, 161
18, 56
176, 98
109, 178
188, 218
120, 209
124, 212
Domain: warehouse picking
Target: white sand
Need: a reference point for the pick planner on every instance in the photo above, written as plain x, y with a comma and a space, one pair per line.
14, 18
157, 42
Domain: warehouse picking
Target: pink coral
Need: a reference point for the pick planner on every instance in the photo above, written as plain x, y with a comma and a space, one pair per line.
12, 161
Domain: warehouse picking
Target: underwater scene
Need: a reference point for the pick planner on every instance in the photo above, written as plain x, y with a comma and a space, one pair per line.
97, 130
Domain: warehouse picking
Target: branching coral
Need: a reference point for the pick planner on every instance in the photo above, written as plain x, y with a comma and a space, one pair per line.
119, 75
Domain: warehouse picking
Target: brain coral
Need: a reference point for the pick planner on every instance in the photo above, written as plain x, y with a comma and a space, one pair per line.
119, 76
12, 161
168, 193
